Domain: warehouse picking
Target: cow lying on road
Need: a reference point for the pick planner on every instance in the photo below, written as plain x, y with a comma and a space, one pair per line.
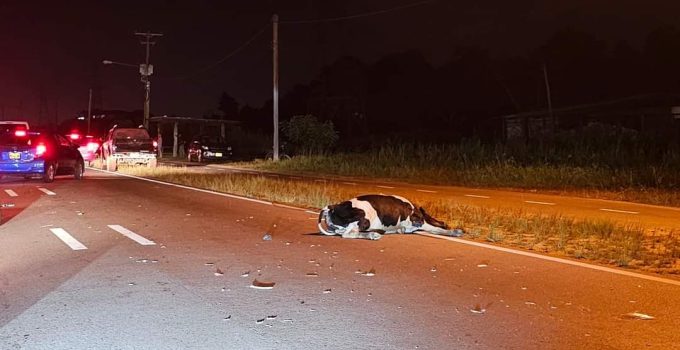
370, 215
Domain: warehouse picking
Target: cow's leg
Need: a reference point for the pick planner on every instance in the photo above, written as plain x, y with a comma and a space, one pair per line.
355, 233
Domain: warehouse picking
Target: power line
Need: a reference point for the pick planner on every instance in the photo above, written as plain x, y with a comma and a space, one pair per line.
225, 58
360, 15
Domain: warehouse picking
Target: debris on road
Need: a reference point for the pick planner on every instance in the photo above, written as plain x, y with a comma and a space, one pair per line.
209, 264
638, 316
267, 237
368, 273
478, 309
327, 291
271, 317
262, 285
245, 274
7, 205
312, 274
227, 318
219, 272
433, 269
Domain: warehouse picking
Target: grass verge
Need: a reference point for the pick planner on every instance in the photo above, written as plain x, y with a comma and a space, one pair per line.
596, 240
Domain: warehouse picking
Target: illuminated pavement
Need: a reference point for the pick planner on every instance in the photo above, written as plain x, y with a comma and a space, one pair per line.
161, 267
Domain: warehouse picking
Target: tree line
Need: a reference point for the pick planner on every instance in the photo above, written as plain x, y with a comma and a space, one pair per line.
402, 95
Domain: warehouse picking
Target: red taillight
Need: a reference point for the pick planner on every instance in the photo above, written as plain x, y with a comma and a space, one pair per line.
74, 136
155, 143
92, 146
40, 150
20, 133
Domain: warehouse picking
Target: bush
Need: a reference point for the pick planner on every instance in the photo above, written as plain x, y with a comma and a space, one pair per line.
308, 135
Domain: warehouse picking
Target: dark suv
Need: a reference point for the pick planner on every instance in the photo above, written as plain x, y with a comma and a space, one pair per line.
129, 146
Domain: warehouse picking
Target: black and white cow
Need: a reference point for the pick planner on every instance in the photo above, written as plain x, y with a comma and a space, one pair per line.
370, 215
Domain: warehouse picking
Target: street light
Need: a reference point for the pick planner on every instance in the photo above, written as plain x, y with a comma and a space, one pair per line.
145, 70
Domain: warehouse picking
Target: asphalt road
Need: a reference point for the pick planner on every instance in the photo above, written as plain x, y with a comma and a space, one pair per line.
183, 280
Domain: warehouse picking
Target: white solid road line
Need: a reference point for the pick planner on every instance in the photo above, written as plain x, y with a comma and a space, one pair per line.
47, 192
557, 260
381, 186
68, 239
185, 187
620, 211
11, 193
131, 235
476, 196
427, 191
542, 203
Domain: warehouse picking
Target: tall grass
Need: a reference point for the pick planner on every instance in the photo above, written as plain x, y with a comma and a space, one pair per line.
613, 165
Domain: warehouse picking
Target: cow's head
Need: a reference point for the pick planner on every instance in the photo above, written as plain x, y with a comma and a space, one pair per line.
344, 213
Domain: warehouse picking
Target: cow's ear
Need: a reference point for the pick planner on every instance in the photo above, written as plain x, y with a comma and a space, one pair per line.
364, 224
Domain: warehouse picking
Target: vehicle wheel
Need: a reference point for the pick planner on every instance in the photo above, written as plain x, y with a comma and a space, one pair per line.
189, 158
153, 163
50, 171
79, 170
199, 157
111, 164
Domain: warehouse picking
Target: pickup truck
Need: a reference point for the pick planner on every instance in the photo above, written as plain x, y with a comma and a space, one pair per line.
130, 146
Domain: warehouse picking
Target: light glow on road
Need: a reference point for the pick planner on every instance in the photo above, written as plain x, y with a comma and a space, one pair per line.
68, 239
382, 186
620, 211
11, 193
427, 191
541, 203
477, 196
131, 235
47, 192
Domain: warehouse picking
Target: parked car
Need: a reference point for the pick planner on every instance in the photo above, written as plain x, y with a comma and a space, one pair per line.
31, 153
88, 145
205, 147
131, 146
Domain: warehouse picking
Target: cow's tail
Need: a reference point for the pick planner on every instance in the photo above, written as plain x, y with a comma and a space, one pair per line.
438, 227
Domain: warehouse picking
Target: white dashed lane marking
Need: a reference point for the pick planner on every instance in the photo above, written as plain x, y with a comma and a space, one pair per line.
541, 203
47, 192
11, 193
131, 235
381, 186
476, 196
620, 211
427, 191
68, 239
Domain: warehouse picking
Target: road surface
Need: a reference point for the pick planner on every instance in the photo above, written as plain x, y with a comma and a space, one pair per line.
119, 263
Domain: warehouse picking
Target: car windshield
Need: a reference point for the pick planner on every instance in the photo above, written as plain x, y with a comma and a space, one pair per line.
8, 136
130, 134
213, 140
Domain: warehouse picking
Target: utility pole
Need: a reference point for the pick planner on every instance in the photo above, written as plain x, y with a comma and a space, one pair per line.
275, 106
89, 111
547, 89
146, 70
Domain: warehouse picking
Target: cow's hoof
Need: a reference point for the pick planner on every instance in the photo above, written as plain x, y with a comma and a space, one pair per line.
374, 236
456, 232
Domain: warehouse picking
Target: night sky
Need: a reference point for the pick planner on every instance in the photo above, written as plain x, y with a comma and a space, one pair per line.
51, 51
